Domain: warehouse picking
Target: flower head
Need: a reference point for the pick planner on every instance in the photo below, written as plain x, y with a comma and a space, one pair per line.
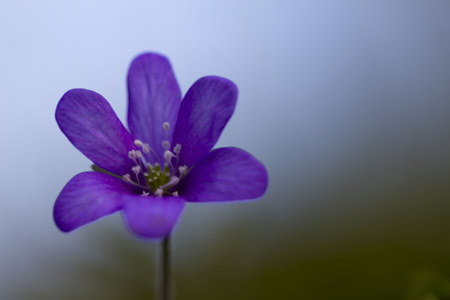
164, 161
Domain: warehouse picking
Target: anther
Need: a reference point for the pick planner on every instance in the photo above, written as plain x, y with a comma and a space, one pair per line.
166, 127
175, 194
177, 149
159, 192
133, 154
146, 148
136, 169
145, 194
127, 178
166, 145
138, 143
168, 155
183, 170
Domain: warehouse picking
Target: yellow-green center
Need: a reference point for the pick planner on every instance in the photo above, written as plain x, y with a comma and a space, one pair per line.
157, 177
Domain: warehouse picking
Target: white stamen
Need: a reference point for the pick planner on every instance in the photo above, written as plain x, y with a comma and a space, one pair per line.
177, 149
136, 169
127, 178
159, 192
138, 143
173, 181
145, 194
175, 194
138, 154
168, 155
183, 170
166, 145
166, 127
146, 148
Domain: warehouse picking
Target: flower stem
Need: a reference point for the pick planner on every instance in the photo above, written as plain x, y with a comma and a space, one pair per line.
165, 275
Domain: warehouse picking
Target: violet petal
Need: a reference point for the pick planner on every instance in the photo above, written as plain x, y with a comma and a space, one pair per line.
87, 197
90, 123
225, 174
204, 112
152, 217
153, 98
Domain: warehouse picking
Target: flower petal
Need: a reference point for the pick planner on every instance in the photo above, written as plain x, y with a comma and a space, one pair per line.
152, 217
225, 174
90, 123
87, 197
153, 98
204, 112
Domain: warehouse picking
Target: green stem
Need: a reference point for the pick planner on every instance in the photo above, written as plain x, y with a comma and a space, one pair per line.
165, 276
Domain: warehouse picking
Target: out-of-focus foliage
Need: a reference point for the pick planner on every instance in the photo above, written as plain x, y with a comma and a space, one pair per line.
354, 249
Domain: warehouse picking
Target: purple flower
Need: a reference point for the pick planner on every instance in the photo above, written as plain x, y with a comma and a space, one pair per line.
166, 160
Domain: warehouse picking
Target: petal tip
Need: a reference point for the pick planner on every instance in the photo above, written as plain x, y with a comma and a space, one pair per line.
87, 197
149, 57
223, 82
60, 220
70, 98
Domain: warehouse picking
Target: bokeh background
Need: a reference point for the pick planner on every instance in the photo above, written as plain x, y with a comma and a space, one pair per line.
346, 102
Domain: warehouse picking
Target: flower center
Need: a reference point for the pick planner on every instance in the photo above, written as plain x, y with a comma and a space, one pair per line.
149, 175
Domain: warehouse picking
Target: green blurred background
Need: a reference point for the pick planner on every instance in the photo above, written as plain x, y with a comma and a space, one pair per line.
384, 237
347, 103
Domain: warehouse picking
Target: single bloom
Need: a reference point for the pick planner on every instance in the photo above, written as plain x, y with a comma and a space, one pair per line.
164, 160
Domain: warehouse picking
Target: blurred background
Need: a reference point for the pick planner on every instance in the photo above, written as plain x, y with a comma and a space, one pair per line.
347, 103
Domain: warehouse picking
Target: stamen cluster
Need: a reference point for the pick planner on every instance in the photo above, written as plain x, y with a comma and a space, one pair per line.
149, 175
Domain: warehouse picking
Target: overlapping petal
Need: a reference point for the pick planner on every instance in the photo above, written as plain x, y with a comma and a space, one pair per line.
152, 217
154, 98
90, 123
204, 112
225, 174
87, 197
